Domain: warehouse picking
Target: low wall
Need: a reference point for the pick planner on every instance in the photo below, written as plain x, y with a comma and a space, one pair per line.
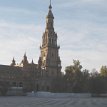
59, 95
15, 91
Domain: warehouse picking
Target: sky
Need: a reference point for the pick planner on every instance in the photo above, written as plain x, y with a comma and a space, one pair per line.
81, 26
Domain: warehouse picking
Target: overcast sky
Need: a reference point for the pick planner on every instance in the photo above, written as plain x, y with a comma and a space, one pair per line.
81, 26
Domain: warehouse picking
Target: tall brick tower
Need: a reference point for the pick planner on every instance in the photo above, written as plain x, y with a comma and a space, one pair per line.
49, 60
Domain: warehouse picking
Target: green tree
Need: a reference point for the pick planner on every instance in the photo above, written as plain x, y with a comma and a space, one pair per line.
74, 69
103, 71
94, 73
74, 76
98, 85
85, 80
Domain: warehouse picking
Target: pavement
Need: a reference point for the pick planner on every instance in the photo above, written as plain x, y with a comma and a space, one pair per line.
30, 101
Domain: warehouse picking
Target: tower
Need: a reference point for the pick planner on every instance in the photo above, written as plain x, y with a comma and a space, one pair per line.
24, 62
49, 60
13, 62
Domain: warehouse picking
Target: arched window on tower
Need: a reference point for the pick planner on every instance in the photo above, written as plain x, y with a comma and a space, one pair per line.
52, 55
49, 40
52, 41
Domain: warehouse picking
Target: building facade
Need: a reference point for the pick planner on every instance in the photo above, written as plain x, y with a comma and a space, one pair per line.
41, 76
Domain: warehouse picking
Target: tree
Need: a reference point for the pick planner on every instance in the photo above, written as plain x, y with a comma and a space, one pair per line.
74, 76
103, 71
74, 69
98, 85
85, 80
77, 67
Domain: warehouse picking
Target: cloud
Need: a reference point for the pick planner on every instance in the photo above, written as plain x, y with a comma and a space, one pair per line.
89, 59
17, 10
86, 42
83, 10
15, 39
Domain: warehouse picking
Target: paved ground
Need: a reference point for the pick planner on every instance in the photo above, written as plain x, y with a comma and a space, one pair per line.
52, 102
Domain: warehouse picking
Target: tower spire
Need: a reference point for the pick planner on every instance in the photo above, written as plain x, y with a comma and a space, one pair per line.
13, 62
50, 18
50, 6
49, 59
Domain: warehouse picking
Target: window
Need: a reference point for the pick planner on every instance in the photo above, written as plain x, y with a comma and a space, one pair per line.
52, 54
20, 84
52, 41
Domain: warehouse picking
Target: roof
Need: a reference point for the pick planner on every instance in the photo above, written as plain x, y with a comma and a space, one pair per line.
6, 68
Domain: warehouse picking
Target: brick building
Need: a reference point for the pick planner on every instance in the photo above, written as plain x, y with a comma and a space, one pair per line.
41, 76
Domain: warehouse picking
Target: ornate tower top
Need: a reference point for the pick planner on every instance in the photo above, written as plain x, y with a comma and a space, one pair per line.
24, 62
25, 57
49, 18
50, 14
50, 7
13, 62
32, 62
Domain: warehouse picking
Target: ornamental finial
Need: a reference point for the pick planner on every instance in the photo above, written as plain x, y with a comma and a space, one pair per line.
50, 7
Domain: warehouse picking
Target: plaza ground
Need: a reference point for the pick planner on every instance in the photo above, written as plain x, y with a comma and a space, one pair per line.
30, 101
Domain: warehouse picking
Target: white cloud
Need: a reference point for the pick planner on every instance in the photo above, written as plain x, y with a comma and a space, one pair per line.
17, 10
89, 59
83, 40
15, 39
